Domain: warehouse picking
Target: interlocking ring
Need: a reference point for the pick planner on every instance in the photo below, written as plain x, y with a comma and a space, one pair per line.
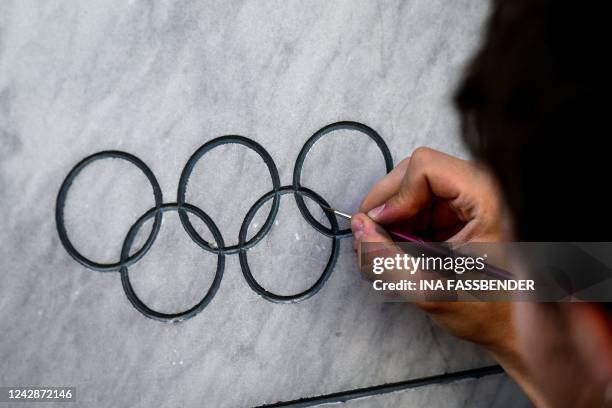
184, 209
182, 190
127, 245
61, 202
299, 163
333, 257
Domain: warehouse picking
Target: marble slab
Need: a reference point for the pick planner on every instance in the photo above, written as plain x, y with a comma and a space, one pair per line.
488, 392
159, 79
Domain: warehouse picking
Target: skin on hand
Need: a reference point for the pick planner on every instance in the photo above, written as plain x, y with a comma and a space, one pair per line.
443, 198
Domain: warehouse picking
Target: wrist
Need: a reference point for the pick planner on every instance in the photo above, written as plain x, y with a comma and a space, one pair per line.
514, 364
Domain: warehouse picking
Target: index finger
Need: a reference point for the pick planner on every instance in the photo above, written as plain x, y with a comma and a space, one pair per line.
385, 188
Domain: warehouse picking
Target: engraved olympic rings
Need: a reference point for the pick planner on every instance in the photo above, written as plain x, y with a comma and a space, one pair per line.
183, 208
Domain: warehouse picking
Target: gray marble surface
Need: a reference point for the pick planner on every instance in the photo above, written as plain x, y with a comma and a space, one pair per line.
488, 392
158, 79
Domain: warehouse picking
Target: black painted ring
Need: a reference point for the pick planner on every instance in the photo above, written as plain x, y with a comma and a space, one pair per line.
127, 244
244, 263
220, 250
299, 164
61, 202
186, 173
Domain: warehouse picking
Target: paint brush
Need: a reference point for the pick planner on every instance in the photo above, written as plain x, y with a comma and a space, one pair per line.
400, 236
397, 235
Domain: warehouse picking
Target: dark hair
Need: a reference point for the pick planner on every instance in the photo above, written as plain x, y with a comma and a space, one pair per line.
531, 109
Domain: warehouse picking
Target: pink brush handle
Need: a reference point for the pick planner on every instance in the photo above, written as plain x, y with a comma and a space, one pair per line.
405, 237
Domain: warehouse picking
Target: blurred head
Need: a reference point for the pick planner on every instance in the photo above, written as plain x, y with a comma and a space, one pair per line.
531, 108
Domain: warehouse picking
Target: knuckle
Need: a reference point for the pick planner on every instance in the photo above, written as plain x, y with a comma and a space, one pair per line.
421, 153
421, 158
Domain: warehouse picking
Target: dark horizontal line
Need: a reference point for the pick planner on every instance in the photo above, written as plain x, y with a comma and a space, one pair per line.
344, 396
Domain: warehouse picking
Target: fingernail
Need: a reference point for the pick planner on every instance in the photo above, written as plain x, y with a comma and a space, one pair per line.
375, 212
357, 227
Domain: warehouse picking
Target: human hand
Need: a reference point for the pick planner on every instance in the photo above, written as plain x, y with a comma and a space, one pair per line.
443, 198
439, 197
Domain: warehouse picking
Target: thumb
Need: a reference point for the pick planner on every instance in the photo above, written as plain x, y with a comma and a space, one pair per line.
366, 230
